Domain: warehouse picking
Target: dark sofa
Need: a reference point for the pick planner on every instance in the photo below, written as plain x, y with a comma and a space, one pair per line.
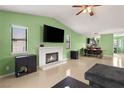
104, 76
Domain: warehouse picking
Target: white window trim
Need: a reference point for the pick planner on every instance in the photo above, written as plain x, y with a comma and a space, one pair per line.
18, 26
22, 27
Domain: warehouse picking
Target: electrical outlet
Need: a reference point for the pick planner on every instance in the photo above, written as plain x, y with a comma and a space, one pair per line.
7, 68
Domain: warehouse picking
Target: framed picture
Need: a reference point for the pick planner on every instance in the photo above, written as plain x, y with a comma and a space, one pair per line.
68, 41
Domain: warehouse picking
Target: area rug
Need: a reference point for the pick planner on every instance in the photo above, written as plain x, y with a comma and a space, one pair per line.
70, 82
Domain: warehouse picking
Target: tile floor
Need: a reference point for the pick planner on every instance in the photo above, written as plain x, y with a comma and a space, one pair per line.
48, 78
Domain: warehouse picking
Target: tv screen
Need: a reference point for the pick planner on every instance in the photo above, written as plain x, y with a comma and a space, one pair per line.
52, 34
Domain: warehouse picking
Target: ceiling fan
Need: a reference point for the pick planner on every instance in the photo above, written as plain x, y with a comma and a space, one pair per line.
86, 9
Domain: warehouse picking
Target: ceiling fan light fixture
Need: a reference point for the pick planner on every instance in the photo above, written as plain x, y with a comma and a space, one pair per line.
84, 11
89, 9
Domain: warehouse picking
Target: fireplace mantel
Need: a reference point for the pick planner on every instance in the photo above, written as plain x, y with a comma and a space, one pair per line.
42, 56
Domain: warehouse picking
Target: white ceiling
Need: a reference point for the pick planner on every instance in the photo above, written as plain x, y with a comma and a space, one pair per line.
107, 19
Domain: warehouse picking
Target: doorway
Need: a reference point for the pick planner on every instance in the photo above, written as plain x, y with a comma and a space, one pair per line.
118, 44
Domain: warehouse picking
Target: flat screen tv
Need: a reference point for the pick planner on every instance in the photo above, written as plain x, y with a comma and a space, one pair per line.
53, 34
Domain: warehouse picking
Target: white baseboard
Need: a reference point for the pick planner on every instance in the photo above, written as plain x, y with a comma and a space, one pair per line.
6, 75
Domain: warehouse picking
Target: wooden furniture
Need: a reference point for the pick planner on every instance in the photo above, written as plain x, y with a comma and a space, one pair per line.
97, 52
25, 64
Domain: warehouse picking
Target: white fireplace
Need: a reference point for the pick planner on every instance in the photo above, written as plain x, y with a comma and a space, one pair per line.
50, 57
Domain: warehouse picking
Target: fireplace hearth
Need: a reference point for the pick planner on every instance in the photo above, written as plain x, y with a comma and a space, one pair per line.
51, 57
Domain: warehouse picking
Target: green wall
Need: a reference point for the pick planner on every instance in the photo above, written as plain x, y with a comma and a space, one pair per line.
35, 36
106, 43
120, 47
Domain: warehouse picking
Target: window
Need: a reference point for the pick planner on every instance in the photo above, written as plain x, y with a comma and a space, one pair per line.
19, 39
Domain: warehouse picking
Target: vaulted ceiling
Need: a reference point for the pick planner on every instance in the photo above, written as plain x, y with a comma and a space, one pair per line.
107, 19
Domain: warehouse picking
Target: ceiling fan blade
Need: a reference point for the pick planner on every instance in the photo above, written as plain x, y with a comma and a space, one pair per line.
77, 6
91, 13
96, 5
80, 12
